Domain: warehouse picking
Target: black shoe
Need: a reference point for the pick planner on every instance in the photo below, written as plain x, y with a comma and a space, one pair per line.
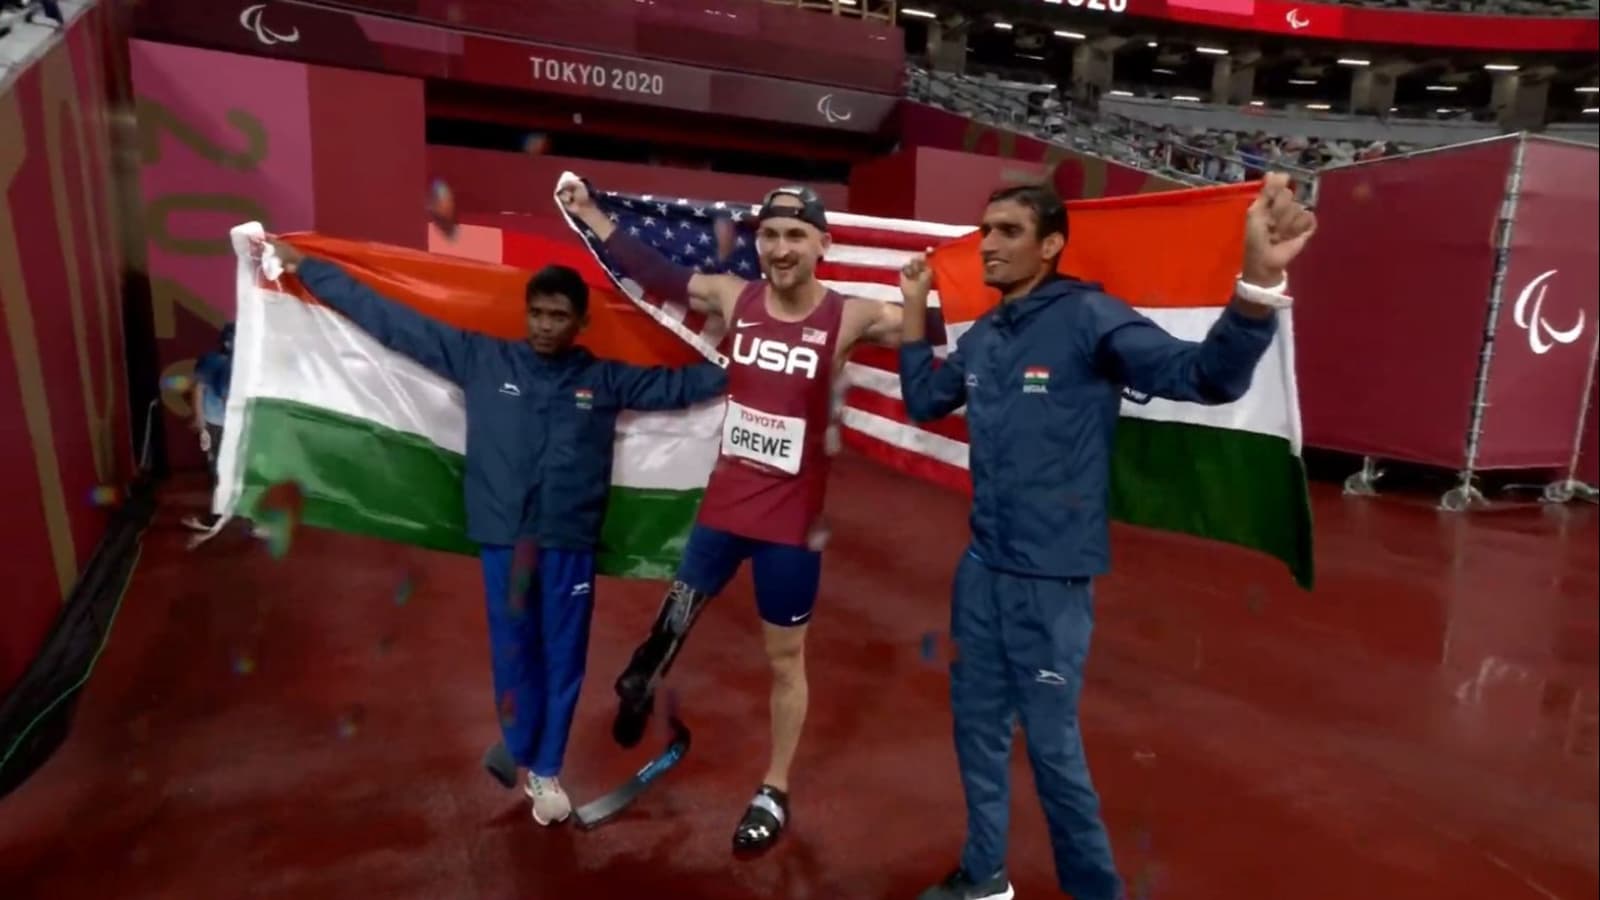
763, 821
498, 763
959, 887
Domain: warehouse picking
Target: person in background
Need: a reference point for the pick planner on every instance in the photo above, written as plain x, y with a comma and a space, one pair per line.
208, 398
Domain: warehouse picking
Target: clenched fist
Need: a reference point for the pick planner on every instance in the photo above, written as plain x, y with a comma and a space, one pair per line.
1276, 228
916, 280
287, 254
574, 196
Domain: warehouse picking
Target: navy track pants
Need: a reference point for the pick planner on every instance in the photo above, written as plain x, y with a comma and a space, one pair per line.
1021, 645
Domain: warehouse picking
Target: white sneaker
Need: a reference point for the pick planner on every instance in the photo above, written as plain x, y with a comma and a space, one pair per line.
550, 802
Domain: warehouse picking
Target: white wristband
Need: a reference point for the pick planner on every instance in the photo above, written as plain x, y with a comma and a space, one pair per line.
1274, 296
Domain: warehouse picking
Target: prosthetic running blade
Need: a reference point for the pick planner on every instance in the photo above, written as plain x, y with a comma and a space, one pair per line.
603, 808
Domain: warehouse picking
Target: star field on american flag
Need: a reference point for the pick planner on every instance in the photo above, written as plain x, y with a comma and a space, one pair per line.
682, 230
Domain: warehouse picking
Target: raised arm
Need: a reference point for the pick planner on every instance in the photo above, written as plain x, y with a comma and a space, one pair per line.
712, 295
931, 389
1135, 351
444, 350
653, 388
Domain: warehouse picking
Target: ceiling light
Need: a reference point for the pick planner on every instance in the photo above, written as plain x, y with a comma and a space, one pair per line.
1186, 98
917, 13
1302, 81
1442, 88
1258, 103
1500, 67
1318, 106
1211, 51
1003, 26
1351, 61
1591, 110
1444, 111
1121, 93
1587, 89
1151, 44
1071, 35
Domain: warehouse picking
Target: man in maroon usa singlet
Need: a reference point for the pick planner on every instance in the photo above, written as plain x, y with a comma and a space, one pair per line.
772, 474
787, 336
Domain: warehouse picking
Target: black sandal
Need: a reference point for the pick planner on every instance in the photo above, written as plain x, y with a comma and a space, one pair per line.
763, 821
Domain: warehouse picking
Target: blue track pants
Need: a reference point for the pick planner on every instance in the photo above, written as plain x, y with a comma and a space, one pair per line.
1021, 644
540, 603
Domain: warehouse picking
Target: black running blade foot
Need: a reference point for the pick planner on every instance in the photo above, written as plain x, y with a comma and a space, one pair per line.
498, 763
601, 809
627, 729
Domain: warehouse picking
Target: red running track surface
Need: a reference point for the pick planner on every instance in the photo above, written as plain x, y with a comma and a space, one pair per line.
1420, 727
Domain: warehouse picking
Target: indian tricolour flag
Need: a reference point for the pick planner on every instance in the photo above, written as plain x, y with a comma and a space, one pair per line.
376, 442
1230, 473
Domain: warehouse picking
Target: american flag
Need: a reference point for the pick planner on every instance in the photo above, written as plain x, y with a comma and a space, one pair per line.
719, 236
863, 261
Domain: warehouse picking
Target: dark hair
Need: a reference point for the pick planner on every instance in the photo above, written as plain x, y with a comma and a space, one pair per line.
1049, 213
563, 281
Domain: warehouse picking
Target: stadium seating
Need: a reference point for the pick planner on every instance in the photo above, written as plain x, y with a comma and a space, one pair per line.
1196, 142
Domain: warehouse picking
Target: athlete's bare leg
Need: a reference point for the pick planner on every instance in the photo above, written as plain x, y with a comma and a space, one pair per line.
786, 652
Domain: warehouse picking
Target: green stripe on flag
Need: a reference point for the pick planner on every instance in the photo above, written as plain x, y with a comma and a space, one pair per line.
1242, 487
359, 477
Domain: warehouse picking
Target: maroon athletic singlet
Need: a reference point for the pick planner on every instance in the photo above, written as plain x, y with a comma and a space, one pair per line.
772, 473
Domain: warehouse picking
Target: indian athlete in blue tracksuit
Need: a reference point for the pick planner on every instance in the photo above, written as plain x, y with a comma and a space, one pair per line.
1042, 377
541, 417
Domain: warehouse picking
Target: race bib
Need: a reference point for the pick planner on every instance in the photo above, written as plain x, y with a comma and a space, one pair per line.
761, 437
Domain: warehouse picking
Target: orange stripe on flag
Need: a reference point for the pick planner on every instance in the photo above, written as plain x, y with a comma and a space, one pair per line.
476, 296
1168, 249
618, 328
489, 298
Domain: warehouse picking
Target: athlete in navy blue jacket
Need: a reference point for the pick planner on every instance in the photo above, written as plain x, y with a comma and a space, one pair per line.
1040, 455
541, 418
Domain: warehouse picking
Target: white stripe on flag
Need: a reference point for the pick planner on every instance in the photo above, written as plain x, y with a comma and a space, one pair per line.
910, 226
905, 437
869, 290
1267, 408
874, 257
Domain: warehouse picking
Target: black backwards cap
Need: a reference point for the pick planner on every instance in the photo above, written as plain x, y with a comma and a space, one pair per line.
809, 211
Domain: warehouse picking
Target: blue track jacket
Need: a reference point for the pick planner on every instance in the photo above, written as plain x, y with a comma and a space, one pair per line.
539, 430
1042, 378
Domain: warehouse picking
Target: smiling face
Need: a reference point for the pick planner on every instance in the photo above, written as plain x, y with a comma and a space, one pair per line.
789, 249
1014, 253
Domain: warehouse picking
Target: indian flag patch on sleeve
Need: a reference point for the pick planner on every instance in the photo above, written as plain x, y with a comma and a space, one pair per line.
584, 398
1036, 380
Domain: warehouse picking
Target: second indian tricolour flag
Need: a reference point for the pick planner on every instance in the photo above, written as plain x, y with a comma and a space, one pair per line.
376, 443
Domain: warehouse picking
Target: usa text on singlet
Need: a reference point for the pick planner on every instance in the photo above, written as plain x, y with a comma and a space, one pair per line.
772, 472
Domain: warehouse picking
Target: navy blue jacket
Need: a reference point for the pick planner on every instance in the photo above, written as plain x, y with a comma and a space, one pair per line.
1042, 379
538, 446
